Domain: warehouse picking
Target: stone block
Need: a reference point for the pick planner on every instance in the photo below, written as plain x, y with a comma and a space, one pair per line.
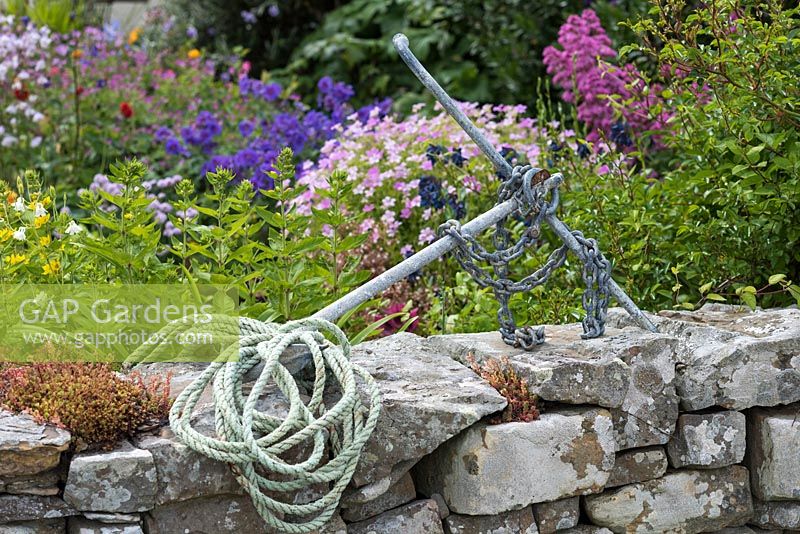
185, 474
419, 517
683, 501
81, 525
28, 447
44, 483
42, 526
400, 493
638, 465
217, 514
515, 522
557, 515
708, 440
732, 357
629, 371
15, 508
773, 449
427, 399
777, 514
586, 529
491, 469
122, 480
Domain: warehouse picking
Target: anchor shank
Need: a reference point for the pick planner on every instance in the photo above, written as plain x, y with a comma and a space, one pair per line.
563, 231
402, 270
500, 164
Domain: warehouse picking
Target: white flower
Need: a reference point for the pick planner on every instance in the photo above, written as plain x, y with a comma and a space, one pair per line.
36, 141
19, 234
8, 140
19, 205
73, 228
39, 211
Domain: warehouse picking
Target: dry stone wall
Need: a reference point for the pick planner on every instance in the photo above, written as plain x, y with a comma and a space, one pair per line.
693, 429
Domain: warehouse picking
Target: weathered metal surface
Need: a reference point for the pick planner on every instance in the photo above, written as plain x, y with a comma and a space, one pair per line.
524, 192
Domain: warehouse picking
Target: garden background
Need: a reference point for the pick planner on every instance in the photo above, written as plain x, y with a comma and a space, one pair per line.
284, 150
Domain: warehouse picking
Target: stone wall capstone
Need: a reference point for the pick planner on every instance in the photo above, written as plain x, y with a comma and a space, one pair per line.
693, 429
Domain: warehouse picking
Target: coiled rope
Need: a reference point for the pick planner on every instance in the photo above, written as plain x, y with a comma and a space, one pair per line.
256, 443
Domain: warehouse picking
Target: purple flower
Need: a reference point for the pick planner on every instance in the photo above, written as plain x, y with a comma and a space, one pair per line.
162, 134
273, 11
191, 32
246, 127
248, 17
271, 91
173, 146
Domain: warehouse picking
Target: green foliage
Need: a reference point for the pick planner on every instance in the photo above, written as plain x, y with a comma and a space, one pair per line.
62, 16
501, 375
127, 238
480, 51
732, 199
269, 41
96, 404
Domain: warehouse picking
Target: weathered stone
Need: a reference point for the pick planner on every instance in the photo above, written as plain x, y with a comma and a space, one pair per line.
399, 494
490, 469
185, 474
28, 447
81, 525
586, 529
708, 440
427, 399
444, 510
733, 357
45, 483
43, 526
627, 370
122, 480
747, 530
30, 507
683, 501
773, 445
557, 515
515, 522
419, 517
777, 514
112, 518
638, 465
221, 513
336, 525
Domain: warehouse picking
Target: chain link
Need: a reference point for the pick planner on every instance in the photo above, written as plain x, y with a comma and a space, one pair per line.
530, 187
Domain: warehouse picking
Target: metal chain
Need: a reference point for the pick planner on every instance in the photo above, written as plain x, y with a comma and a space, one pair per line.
530, 187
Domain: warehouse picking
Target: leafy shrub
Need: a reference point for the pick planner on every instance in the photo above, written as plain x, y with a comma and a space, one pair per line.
96, 404
732, 194
480, 51
523, 406
269, 30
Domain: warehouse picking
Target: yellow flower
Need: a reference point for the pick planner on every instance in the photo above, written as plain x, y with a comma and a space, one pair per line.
76, 54
15, 259
46, 201
40, 221
5, 234
11, 197
134, 35
44, 241
128, 216
51, 268
193, 53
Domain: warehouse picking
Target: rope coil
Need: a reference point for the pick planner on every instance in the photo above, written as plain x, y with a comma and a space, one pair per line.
255, 443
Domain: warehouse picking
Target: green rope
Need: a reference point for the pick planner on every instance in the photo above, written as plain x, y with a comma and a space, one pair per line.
253, 441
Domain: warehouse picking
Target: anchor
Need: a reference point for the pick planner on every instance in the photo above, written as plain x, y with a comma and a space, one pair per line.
524, 192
